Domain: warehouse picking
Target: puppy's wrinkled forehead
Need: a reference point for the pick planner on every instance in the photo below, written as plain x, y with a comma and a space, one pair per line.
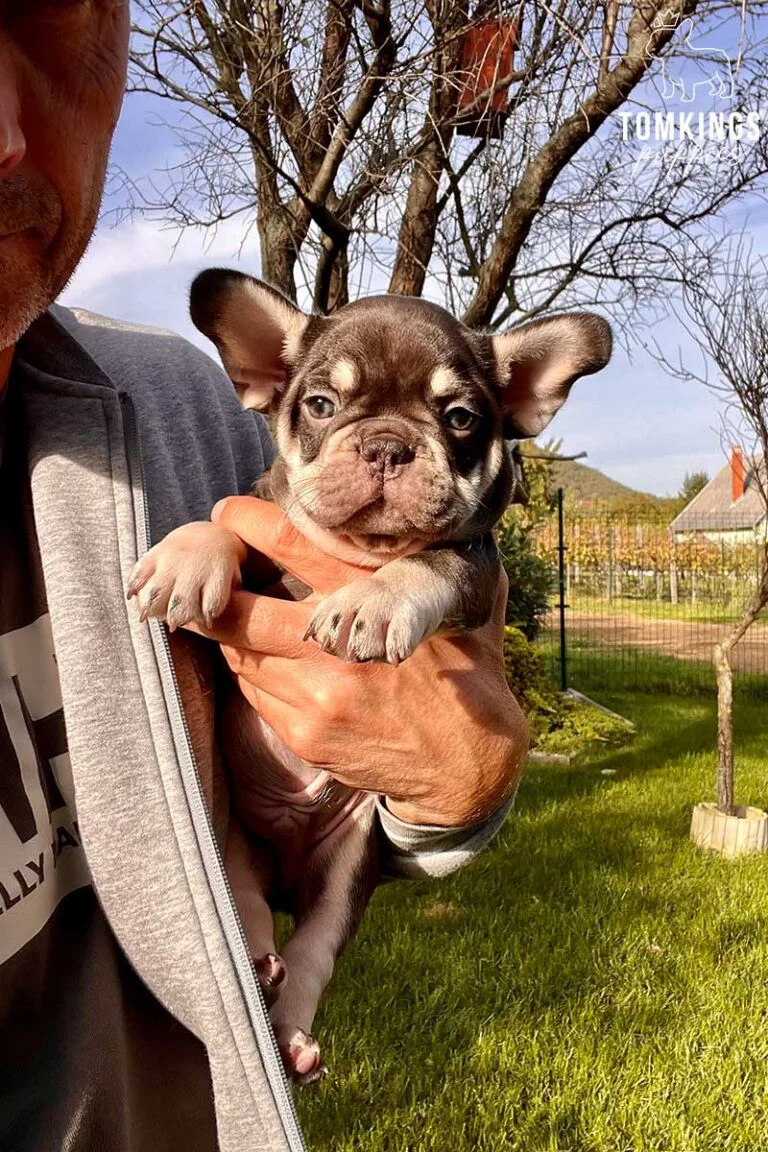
388, 352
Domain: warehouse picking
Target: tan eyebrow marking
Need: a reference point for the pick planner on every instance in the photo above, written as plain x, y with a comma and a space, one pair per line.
344, 376
443, 382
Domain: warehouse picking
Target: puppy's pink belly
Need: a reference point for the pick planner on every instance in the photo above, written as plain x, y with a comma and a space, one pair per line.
285, 801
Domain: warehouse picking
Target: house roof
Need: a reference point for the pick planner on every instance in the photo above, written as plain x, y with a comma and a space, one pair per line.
712, 509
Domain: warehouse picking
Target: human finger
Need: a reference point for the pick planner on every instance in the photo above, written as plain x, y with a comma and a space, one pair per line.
262, 623
266, 528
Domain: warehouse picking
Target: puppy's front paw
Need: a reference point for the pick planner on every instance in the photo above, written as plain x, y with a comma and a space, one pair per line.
187, 576
366, 620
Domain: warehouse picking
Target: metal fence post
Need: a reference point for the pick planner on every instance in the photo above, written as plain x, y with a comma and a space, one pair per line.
561, 574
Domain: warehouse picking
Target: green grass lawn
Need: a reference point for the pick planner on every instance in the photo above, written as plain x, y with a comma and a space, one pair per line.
700, 612
590, 984
592, 666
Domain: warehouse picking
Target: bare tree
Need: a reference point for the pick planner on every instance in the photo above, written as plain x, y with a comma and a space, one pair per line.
728, 313
339, 127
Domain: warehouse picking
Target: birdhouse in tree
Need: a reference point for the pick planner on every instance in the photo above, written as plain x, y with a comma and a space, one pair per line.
486, 60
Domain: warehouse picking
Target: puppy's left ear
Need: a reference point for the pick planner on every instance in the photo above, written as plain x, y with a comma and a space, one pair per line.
256, 329
538, 362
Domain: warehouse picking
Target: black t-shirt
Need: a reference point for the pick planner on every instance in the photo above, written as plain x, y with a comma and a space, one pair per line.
89, 1061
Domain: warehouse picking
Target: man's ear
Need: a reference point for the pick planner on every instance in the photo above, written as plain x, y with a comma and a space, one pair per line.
538, 362
256, 329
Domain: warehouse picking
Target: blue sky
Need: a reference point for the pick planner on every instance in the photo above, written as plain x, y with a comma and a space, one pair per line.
636, 423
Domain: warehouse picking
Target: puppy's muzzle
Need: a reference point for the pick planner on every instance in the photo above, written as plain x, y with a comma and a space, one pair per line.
386, 455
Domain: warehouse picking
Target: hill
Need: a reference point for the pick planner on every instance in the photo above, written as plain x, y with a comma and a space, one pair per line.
583, 484
593, 490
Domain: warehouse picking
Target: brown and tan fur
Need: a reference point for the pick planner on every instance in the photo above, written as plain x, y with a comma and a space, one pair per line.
390, 421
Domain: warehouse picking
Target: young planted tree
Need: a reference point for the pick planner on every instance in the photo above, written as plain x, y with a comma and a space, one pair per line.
399, 145
729, 316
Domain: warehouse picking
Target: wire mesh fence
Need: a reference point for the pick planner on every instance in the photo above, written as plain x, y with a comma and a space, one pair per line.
640, 605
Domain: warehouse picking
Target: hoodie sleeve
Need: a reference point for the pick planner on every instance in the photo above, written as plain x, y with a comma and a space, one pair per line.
416, 851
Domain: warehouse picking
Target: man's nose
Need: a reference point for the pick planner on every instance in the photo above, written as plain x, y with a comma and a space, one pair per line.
13, 146
386, 454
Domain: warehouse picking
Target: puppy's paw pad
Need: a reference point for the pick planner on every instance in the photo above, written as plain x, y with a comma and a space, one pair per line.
271, 973
301, 1056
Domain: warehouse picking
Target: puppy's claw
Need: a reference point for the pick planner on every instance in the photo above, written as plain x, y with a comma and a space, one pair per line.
271, 973
313, 1077
135, 584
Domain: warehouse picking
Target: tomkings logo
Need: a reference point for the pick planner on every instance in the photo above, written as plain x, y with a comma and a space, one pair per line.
699, 120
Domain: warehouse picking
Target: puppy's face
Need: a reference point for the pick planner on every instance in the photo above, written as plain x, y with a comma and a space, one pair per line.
391, 416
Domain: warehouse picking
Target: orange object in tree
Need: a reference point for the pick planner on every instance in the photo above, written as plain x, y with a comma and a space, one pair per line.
487, 52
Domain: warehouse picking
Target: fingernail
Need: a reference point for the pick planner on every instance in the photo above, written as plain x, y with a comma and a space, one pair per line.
217, 508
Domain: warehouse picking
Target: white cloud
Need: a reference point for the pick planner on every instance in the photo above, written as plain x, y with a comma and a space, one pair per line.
141, 271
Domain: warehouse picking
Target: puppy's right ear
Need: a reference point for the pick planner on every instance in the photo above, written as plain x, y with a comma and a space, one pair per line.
256, 329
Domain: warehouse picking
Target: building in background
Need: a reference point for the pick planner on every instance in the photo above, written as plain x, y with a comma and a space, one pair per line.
729, 508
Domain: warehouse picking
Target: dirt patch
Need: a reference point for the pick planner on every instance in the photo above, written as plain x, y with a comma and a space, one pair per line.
680, 638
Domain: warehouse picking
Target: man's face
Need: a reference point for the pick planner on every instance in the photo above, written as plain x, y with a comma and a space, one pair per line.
62, 76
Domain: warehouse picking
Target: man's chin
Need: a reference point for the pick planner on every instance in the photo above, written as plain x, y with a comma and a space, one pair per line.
25, 293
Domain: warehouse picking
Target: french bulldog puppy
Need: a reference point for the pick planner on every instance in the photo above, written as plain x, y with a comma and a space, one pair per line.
390, 422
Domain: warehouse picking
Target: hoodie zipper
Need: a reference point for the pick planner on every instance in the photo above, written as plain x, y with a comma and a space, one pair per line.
207, 843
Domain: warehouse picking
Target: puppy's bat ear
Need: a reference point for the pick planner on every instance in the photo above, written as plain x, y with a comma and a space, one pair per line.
256, 329
538, 362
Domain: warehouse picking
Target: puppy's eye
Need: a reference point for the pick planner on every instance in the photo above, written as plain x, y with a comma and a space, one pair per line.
460, 419
320, 407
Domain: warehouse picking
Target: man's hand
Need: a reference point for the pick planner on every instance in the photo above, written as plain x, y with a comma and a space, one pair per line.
441, 736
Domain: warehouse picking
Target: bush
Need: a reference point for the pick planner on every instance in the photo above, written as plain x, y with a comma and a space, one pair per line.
527, 674
531, 578
577, 725
558, 723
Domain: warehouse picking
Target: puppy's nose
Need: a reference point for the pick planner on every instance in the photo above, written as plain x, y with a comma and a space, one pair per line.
386, 454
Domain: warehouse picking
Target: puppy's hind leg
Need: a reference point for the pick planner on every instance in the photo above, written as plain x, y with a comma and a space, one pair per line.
340, 878
249, 869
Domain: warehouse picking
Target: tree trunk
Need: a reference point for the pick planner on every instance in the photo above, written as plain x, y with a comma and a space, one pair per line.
332, 279
722, 655
276, 242
417, 232
724, 730
278, 255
